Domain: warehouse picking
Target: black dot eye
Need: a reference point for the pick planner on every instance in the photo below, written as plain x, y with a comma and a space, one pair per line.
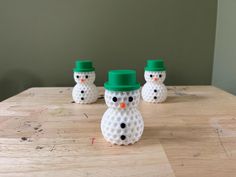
82, 98
77, 76
131, 99
86, 76
114, 99
151, 75
160, 75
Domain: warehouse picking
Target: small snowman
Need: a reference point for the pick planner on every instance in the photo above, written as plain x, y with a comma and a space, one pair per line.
122, 123
85, 91
154, 90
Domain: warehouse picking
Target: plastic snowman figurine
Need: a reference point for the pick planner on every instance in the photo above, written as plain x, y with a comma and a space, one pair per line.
154, 90
122, 123
85, 91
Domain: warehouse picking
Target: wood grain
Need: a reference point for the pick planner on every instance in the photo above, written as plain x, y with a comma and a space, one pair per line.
42, 133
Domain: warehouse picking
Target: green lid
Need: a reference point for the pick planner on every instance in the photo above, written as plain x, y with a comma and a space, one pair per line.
155, 65
122, 80
83, 66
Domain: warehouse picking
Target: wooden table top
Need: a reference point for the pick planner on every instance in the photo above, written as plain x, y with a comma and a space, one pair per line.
192, 134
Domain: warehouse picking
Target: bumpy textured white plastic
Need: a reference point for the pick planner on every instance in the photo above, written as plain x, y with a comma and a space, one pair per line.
154, 91
122, 126
85, 91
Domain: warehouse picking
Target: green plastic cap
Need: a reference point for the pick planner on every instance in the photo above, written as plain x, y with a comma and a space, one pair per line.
122, 80
155, 65
83, 66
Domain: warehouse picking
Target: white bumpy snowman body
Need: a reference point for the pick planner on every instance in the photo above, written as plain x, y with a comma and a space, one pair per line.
122, 123
85, 91
154, 90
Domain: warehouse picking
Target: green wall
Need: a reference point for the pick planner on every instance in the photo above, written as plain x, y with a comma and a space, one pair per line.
40, 40
224, 73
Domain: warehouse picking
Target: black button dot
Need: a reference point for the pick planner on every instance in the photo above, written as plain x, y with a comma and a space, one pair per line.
82, 98
155, 90
160, 75
86, 76
122, 125
77, 76
82, 91
155, 97
122, 137
151, 75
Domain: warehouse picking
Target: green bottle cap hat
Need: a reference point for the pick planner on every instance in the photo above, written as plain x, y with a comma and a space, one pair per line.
122, 80
155, 65
83, 66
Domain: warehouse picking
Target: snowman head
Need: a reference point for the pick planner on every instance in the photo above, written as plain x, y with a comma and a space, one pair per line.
155, 76
84, 77
155, 71
122, 99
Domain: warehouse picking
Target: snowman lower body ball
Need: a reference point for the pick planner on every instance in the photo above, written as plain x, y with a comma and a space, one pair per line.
85, 93
154, 93
122, 127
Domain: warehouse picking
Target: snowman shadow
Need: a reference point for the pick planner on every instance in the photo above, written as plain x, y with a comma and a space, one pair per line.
183, 97
177, 134
100, 99
181, 94
149, 137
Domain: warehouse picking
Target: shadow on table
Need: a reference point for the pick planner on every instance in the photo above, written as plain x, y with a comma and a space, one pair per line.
184, 98
153, 135
100, 99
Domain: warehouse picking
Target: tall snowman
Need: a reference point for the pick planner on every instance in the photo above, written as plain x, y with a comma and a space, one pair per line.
122, 123
154, 90
85, 91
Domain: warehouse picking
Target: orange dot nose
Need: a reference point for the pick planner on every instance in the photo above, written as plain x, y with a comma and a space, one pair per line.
155, 78
82, 80
122, 105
